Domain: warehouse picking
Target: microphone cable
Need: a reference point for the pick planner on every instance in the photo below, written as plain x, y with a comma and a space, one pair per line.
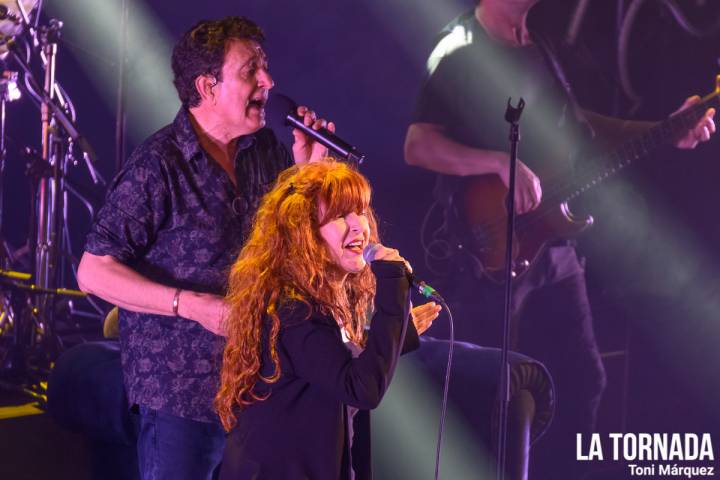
427, 291
446, 386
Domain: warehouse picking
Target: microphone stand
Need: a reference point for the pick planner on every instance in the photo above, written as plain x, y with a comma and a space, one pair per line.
512, 116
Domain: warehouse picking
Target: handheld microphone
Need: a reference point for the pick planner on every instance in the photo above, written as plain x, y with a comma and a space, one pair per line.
423, 288
283, 110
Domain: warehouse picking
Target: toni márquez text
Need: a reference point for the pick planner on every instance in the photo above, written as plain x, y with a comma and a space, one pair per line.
652, 455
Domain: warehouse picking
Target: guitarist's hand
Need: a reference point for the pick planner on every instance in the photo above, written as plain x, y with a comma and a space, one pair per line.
527, 187
702, 130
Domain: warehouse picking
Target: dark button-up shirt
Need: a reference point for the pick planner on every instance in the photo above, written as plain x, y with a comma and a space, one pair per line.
174, 215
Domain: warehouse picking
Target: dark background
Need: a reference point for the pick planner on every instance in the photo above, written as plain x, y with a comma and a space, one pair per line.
653, 260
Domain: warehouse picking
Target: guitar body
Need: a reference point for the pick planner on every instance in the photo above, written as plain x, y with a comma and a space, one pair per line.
486, 217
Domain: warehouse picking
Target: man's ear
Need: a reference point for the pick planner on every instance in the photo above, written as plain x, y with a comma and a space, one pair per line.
204, 85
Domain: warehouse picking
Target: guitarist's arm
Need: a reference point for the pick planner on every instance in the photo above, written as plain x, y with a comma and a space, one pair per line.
613, 131
427, 146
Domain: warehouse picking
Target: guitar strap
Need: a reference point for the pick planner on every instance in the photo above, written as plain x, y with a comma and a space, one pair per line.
550, 55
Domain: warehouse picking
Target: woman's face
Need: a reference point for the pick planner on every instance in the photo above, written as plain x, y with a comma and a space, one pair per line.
346, 236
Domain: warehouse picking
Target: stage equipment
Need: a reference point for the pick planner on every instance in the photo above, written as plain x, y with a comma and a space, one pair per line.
31, 303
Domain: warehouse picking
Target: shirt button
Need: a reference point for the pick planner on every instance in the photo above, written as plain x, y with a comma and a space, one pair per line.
240, 206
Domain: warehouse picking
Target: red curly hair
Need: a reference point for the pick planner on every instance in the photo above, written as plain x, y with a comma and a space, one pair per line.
285, 259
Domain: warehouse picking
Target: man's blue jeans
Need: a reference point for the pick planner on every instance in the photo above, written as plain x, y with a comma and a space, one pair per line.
171, 447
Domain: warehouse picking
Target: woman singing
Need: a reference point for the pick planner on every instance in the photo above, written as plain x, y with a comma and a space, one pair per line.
301, 367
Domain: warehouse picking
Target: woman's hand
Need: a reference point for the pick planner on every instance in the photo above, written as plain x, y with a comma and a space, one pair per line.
423, 316
381, 252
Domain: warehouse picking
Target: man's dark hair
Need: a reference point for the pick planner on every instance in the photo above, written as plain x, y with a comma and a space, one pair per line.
201, 51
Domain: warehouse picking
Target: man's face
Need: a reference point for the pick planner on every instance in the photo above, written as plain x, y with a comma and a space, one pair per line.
241, 95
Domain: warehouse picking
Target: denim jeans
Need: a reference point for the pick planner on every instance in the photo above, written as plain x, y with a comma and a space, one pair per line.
176, 448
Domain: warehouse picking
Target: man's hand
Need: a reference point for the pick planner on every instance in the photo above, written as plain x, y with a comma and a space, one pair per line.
527, 187
702, 130
208, 310
423, 316
305, 149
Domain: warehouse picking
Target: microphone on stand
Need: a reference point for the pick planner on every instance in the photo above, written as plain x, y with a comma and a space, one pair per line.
423, 288
281, 109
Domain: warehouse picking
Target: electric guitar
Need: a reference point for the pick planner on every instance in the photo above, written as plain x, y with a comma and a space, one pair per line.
483, 199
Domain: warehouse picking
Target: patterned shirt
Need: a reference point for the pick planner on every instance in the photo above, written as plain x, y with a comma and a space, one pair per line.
173, 215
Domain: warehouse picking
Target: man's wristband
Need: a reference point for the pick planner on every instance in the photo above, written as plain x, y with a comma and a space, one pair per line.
176, 301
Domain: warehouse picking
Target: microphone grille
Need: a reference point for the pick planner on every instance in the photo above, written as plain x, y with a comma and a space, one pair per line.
369, 251
278, 107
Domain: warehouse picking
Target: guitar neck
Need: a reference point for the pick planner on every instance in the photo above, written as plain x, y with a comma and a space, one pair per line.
665, 132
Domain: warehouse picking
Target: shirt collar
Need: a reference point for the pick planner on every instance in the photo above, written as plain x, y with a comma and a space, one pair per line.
188, 140
245, 141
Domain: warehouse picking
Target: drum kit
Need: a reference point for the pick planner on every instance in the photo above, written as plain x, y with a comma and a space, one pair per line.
33, 304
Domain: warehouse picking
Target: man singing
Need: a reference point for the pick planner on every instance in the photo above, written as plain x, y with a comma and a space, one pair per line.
174, 220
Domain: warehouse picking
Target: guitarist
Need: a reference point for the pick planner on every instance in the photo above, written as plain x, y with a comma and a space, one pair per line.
480, 59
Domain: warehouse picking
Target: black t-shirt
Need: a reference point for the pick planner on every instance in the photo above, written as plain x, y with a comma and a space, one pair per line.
470, 78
